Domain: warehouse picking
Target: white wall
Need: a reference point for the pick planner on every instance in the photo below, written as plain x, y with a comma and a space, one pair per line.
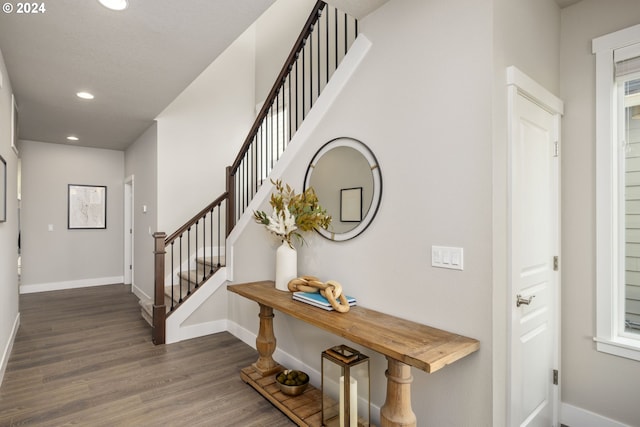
405, 102
141, 159
275, 40
201, 131
591, 380
9, 316
62, 257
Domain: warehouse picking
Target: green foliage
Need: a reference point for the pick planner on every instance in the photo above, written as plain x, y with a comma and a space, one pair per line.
293, 213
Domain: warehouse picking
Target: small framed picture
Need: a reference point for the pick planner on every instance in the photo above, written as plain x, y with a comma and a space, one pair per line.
87, 207
351, 204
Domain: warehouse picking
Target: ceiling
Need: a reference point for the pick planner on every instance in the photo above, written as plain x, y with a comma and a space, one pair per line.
566, 3
135, 62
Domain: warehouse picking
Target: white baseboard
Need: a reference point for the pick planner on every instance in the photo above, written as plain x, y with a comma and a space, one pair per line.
201, 329
175, 331
71, 284
572, 416
140, 293
7, 349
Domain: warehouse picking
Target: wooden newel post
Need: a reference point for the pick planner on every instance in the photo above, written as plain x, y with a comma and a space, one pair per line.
396, 410
159, 308
266, 344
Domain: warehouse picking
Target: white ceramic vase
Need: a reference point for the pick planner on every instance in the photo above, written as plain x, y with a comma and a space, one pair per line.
286, 266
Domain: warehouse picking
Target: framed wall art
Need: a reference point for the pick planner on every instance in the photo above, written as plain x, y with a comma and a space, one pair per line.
87, 207
351, 204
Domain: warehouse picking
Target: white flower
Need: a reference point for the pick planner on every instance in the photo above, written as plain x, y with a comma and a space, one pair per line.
282, 223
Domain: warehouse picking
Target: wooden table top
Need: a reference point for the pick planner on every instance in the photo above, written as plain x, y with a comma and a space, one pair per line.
421, 346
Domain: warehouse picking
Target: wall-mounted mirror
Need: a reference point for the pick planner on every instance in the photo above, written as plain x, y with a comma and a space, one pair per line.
347, 179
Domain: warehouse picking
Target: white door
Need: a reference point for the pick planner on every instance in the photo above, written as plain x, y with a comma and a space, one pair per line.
534, 244
128, 231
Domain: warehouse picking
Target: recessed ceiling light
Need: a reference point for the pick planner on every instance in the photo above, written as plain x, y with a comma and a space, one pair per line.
85, 95
114, 4
72, 138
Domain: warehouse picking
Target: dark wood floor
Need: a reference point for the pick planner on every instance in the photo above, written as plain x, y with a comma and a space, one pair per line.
84, 357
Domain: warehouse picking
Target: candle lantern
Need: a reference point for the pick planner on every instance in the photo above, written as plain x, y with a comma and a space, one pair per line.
345, 388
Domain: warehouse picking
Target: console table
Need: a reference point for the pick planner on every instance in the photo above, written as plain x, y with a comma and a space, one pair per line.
404, 343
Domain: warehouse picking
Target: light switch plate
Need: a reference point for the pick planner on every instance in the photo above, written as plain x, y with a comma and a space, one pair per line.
447, 257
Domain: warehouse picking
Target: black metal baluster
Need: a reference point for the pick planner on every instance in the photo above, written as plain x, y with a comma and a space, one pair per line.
277, 127
297, 83
303, 75
180, 268
188, 261
289, 105
346, 33
219, 238
326, 31
336, 47
319, 64
172, 271
211, 240
310, 38
196, 260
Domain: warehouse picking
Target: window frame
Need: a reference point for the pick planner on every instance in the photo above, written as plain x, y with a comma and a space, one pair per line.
610, 337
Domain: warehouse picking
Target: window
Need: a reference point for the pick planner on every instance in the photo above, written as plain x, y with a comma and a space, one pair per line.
618, 192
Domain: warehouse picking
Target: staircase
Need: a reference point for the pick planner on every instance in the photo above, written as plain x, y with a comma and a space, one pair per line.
188, 258
206, 267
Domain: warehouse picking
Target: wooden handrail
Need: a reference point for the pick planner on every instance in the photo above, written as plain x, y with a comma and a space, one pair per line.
293, 55
196, 218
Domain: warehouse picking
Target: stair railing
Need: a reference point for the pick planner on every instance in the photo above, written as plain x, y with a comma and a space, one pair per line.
316, 54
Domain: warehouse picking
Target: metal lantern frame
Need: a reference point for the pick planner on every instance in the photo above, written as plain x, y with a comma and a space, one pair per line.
346, 358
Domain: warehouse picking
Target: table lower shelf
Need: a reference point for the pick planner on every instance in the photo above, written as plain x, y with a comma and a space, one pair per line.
305, 410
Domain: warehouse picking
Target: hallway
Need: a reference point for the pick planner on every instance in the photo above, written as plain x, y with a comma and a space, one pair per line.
85, 357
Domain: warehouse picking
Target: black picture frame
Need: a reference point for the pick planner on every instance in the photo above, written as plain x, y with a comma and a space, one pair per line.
351, 204
86, 207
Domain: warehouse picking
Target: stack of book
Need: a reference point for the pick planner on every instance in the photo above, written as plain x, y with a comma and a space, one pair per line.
317, 300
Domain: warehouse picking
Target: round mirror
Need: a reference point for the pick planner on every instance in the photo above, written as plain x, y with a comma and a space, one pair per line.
347, 180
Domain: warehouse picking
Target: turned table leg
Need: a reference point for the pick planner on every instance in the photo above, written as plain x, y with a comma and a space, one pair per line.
266, 343
396, 410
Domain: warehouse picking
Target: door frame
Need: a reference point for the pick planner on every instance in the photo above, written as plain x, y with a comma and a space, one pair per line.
128, 231
519, 84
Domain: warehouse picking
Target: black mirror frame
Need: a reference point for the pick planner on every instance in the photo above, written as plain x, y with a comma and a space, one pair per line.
377, 185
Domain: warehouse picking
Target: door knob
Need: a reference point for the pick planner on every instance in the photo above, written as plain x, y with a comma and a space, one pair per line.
521, 300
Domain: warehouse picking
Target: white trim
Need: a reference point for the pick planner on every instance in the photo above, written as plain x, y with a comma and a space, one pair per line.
70, 284
616, 40
7, 349
578, 417
175, 331
607, 334
201, 329
142, 295
533, 90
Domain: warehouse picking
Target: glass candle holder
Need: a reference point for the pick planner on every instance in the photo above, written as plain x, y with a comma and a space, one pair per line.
345, 388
